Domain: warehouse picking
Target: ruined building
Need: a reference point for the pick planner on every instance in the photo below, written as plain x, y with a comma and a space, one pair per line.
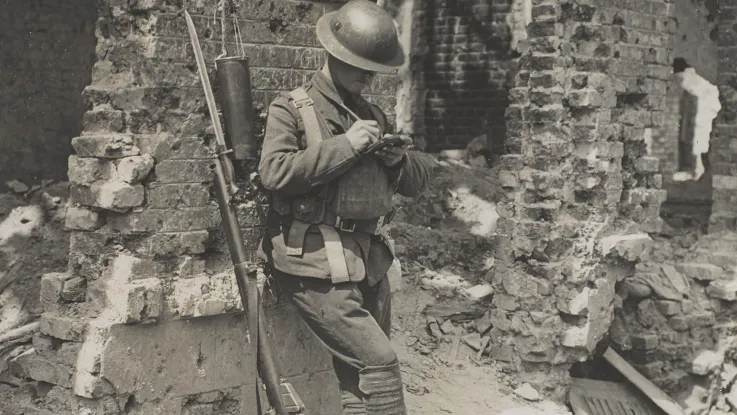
579, 108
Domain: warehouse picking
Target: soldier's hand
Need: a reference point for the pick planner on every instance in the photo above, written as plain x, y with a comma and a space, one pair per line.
392, 155
362, 133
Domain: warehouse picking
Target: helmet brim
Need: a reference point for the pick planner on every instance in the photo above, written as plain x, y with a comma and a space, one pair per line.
334, 47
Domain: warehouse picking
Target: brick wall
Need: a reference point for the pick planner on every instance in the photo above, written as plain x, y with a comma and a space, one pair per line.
469, 68
47, 51
148, 258
581, 188
724, 146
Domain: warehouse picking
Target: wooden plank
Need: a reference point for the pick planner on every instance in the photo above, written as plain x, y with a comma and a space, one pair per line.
663, 401
19, 332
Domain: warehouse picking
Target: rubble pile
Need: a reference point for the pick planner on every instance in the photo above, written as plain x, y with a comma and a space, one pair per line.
676, 315
33, 242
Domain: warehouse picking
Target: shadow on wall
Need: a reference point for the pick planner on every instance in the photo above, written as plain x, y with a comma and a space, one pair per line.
47, 54
469, 69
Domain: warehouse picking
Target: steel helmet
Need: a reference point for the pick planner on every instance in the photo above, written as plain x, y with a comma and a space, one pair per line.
362, 34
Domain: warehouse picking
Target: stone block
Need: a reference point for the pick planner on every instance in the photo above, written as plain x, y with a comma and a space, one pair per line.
37, 367
86, 171
184, 171
139, 301
167, 220
724, 182
119, 196
701, 271
73, 290
171, 147
508, 179
723, 290
61, 327
503, 353
505, 302
105, 146
179, 195
668, 308
51, 287
89, 386
178, 243
204, 296
644, 341
647, 165
82, 219
584, 98
134, 169
678, 323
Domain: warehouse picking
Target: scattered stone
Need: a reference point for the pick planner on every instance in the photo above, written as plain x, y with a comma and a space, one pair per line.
17, 186
668, 308
723, 290
483, 323
446, 283
701, 272
526, 391
473, 341
478, 292
447, 327
706, 362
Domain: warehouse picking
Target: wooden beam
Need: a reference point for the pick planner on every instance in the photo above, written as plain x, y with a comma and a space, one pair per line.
663, 401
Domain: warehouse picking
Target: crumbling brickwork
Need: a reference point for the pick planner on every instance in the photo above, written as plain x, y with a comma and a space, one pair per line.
724, 165
469, 69
47, 52
143, 321
580, 187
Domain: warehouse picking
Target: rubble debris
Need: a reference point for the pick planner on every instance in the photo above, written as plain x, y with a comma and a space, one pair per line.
478, 292
526, 391
706, 362
456, 313
446, 283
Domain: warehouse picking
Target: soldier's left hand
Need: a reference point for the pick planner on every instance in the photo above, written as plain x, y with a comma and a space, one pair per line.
392, 155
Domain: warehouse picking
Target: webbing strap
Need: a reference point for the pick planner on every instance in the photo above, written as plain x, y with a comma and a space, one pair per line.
335, 254
296, 239
306, 107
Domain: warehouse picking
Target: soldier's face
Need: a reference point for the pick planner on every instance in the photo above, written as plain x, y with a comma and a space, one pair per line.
350, 78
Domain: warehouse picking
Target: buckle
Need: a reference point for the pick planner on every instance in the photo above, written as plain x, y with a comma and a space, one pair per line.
341, 225
304, 102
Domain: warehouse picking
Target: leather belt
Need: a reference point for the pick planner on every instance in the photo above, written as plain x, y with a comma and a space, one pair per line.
370, 226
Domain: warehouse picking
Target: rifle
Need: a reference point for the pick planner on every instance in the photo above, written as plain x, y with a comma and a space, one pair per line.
278, 392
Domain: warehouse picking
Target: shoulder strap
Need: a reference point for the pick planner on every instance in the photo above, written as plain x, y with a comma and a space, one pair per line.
306, 107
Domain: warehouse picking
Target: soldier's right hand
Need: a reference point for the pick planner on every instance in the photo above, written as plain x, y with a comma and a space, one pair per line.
362, 133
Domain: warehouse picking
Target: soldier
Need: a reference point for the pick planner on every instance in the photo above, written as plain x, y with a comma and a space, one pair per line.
330, 198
